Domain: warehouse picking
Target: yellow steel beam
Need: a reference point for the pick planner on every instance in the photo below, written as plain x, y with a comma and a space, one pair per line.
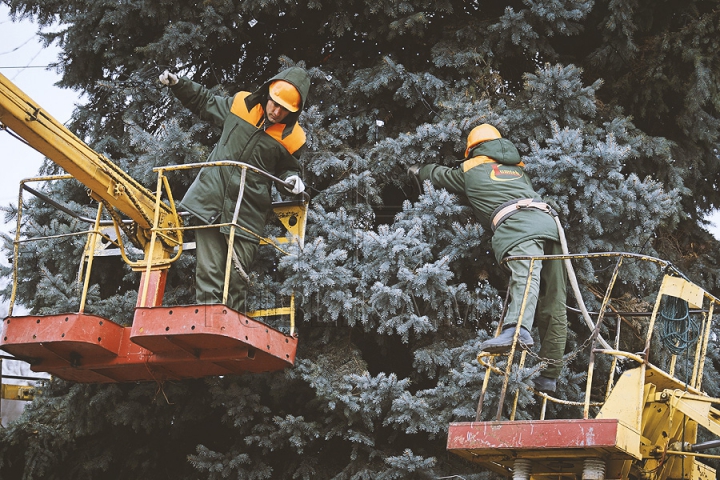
271, 312
696, 407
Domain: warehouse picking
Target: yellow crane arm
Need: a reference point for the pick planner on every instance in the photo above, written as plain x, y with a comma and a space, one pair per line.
103, 178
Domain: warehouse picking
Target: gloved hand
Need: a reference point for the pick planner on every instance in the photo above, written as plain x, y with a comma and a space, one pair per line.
167, 78
298, 185
414, 170
415, 186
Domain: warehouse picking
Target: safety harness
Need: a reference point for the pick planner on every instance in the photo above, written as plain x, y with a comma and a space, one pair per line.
508, 209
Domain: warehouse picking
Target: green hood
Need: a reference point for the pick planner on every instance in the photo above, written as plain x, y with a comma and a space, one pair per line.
501, 150
299, 78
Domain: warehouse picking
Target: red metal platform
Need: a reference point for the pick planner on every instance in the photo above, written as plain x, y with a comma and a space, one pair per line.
164, 343
555, 446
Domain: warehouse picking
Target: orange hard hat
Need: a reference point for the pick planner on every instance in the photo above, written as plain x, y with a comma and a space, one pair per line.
479, 134
285, 94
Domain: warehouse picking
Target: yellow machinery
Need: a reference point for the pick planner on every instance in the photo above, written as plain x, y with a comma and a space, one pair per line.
645, 423
163, 342
16, 392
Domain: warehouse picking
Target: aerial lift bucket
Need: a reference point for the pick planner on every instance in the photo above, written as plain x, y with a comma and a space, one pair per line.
645, 427
163, 343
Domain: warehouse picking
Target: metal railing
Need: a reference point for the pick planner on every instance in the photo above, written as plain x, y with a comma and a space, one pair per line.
297, 231
295, 225
674, 283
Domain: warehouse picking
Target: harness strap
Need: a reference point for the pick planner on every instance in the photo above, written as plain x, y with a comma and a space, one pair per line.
508, 209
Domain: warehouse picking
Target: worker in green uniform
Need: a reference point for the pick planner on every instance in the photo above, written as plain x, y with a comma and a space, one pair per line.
492, 178
260, 129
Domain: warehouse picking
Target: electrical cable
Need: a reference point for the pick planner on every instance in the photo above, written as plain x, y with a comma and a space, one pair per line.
678, 330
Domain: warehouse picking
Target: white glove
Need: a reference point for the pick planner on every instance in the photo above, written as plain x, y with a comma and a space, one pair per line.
167, 78
298, 185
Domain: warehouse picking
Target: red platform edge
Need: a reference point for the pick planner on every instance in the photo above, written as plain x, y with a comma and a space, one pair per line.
164, 343
531, 434
553, 446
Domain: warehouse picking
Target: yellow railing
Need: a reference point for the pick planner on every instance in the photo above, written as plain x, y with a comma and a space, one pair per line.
295, 227
673, 284
292, 215
92, 238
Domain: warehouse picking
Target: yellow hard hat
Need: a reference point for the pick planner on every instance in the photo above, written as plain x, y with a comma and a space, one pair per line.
285, 94
479, 134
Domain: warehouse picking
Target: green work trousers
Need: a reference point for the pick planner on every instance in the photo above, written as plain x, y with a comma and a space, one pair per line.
546, 299
211, 252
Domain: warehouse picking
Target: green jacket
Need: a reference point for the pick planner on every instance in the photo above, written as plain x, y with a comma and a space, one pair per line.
275, 149
491, 176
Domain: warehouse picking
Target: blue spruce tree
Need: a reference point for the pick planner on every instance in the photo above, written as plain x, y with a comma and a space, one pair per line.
613, 105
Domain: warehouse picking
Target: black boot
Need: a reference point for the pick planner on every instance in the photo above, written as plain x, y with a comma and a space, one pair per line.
545, 384
503, 342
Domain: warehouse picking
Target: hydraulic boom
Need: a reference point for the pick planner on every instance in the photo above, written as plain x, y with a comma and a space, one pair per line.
105, 180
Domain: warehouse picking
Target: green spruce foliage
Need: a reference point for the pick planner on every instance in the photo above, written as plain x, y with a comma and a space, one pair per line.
614, 106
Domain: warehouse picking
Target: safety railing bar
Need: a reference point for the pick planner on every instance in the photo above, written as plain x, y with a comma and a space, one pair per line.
244, 167
272, 240
62, 235
511, 353
631, 314
156, 230
571, 256
498, 371
113, 252
614, 362
268, 240
595, 333
145, 281
137, 251
231, 238
88, 258
229, 163
641, 357
489, 367
667, 265
47, 178
61, 207
705, 342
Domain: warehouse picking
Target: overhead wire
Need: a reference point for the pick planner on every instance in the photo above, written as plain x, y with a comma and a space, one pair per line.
18, 47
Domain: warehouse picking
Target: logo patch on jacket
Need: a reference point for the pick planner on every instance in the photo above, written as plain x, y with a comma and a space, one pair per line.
503, 173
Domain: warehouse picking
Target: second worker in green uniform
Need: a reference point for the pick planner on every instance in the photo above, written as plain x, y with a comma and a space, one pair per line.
259, 129
503, 199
